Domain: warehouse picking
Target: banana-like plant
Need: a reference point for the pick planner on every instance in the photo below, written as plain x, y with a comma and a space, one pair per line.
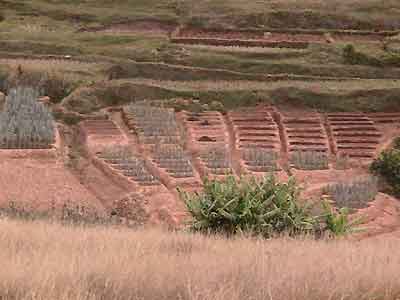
265, 207
338, 222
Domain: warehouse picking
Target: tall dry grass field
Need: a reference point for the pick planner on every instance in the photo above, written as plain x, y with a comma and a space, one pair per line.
40, 260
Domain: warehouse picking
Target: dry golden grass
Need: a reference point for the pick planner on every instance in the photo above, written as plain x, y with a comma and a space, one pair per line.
238, 49
67, 67
49, 261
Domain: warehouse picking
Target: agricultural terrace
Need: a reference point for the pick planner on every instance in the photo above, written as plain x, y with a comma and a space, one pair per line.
229, 116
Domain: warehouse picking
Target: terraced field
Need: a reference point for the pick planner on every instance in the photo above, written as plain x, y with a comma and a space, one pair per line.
274, 38
354, 135
161, 150
249, 89
207, 136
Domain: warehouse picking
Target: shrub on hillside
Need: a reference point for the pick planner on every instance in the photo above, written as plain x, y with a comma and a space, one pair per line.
396, 143
263, 208
351, 56
387, 165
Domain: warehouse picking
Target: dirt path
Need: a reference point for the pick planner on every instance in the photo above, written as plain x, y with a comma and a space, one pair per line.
96, 181
284, 153
236, 157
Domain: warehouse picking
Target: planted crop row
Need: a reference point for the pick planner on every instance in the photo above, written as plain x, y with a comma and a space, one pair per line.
158, 128
174, 160
25, 123
354, 194
260, 160
123, 160
217, 160
152, 124
209, 134
309, 160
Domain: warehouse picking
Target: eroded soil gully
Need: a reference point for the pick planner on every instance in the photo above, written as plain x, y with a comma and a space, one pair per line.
284, 154
93, 179
236, 159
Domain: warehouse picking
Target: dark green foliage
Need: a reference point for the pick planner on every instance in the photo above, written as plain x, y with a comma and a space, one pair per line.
391, 59
263, 208
337, 223
351, 56
387, 165
354, 57
396, 143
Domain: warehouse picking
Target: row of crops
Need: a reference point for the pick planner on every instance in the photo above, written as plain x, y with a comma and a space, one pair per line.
123, 160
256, 133
25, 123
208, 134
157, 128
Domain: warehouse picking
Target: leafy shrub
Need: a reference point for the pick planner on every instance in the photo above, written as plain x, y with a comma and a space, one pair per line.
387, 165
396, 143
351, 56
337, 222
263, 208
391, 59
354, 194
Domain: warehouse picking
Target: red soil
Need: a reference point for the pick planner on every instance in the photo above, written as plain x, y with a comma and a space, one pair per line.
41, 182
99, 184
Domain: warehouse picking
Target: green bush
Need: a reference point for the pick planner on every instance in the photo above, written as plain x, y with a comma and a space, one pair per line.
263, 208
337, 222
391, 60
354, 57
351, 56
387, 165
396, 143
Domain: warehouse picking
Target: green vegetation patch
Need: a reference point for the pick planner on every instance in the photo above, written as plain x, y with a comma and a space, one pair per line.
387, 165
265, 208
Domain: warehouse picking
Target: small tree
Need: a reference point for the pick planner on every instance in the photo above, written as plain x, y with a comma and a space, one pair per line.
387, 165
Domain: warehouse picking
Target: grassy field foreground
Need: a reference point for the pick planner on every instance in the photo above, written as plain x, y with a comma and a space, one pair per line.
50, 261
